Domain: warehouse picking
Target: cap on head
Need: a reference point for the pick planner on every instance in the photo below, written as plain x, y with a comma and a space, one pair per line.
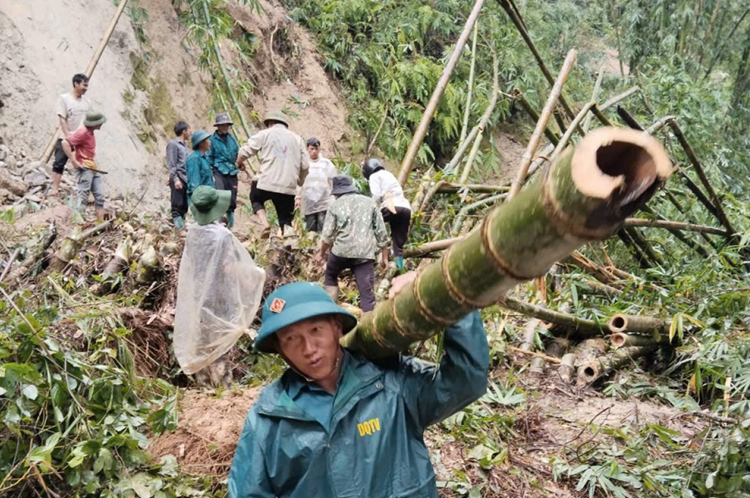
208, 204
276, 116
222, 119
371, 166
94, 119
343, 184
313, 142
294, 303
198, 137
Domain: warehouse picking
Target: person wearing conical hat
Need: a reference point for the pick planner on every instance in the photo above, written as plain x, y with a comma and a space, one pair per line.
82, 158
198, 167
284, 164
223, 156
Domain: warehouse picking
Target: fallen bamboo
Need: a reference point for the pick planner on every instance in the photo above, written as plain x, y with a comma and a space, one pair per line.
585, 195
455, 188
551, 359
628, 119
47, 240
674, 225
529, 335
90, 69
676, 203
621, 340
118, 264
634, 250
377, 133
534, 115
618, 98
429, 112
516, 18
470, 208
429, 195
427, 248
10, 262
659, 124
416, 201
149, 266
581, 327
621, 323
573, 125
567, 368
702, 176
554, 95
591, 371
594, 97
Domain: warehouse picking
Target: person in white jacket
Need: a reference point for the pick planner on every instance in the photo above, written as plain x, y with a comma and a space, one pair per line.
315, 195
388, 194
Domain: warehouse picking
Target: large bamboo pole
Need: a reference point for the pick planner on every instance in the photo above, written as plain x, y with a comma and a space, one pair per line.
90, 69
585, 195
429, 112
554, 95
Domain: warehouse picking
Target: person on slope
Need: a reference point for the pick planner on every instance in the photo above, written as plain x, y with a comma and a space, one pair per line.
223, 156
315, 195
198, 167
283, 167
177, 155
71, 110
337, 424
80, 148
354, 231
396, 210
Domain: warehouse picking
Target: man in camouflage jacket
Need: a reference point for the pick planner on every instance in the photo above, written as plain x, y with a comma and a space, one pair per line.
354, 231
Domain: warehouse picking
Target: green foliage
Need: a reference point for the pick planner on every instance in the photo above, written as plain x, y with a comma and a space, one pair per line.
76, 423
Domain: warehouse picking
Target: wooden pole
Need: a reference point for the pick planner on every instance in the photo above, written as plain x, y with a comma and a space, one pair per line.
582, 326
90, 69
554, 95
429, 112
618, 98
674, 225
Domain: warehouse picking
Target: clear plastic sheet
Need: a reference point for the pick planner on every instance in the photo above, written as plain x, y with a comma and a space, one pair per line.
218, 294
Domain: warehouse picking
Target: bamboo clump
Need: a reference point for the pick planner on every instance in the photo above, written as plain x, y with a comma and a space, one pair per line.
584, 195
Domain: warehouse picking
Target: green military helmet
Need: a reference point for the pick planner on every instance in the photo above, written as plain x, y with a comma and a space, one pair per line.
197, 137
277, 116
292, 303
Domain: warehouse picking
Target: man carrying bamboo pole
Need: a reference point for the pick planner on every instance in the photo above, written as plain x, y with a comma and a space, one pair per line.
354, 231
71, 109
337, 424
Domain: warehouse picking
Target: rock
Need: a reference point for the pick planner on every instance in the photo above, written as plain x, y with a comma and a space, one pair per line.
60, 214
170, 248
10, 162
35, 179
6, 197
16, 187
3, 153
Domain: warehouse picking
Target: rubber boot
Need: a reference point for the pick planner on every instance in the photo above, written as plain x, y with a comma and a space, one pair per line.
179, 223
399, 262
230, 220
333, 291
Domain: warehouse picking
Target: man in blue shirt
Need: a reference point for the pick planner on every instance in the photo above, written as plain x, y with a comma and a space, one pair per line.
198, 168
222, 156
337, 424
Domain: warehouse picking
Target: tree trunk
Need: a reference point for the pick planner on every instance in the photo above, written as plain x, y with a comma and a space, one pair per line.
585, 195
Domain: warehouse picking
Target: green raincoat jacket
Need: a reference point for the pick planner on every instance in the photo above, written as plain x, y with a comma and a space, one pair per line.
223, 153
198, 172
375, 447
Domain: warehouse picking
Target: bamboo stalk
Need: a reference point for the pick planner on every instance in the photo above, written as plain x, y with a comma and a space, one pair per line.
429, 112
516, 18
584, 195
429, 195
551, 359
534, 115
10, 262
582, 326
569, 131
454, 188
470, 208
671, 197
567, 368
222, 67
702, 176
600, 116
90, 69
601, 288
472, 156
554, 95
377, 133
594, 98
621, 340
618, 98
47, 240
621, 323
635, 250
591, 371
438, 245
658, 125
628, 119
674, 225
644, 246
529, 335
470, 84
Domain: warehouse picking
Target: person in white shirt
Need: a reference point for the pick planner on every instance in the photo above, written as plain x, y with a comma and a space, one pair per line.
71, 109
315, 195
396, 210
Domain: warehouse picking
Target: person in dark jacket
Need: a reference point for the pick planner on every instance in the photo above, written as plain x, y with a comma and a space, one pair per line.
222, 156
198, 168
177, 154
339, 425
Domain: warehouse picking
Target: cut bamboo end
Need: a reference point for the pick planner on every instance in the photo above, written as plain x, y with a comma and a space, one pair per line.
618, 324
567, 367
618, 340
621, 323
589, 372
618, 162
